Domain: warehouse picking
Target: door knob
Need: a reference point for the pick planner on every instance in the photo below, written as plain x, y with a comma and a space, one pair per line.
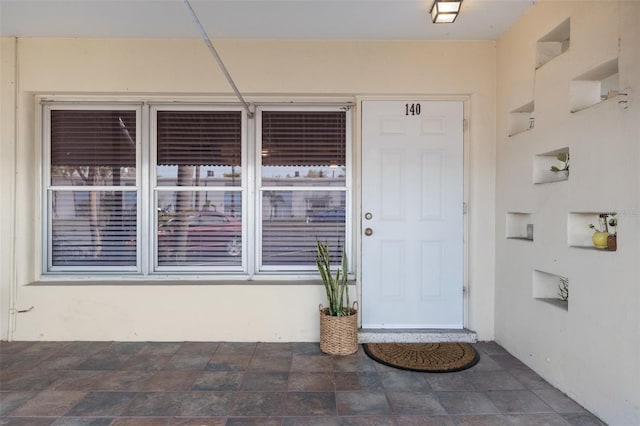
368, 232
368, 216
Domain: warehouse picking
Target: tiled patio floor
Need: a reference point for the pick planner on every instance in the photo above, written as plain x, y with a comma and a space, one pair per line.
140, 384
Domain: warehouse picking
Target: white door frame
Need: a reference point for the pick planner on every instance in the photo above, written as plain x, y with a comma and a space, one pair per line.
357, 190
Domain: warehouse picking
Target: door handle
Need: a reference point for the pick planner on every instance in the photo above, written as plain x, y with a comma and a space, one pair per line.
368, 232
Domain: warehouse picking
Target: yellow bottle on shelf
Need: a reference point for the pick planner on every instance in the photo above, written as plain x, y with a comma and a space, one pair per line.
600, 239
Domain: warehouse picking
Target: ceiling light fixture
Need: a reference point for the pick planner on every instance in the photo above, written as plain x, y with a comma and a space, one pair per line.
445, 11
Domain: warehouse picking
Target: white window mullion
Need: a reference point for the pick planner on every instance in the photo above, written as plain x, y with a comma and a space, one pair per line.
46, 203
349, 182
249, 201
145, 216
256, 187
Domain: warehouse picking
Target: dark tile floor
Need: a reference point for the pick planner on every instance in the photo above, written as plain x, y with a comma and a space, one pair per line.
142, 384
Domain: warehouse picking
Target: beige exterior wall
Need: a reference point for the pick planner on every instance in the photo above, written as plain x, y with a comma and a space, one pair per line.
591, 350
7, 172
203, 310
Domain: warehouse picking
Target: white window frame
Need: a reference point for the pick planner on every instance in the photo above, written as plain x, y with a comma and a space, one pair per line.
266, 269
47, 199
154, 189
146, 188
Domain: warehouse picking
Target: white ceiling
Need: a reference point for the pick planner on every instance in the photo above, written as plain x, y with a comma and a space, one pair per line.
257, 19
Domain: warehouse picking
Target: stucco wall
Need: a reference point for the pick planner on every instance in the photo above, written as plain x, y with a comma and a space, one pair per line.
7, 171
590, 350
175, 311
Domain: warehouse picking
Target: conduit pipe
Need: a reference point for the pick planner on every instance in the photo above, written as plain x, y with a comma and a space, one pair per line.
213, 51
13, 274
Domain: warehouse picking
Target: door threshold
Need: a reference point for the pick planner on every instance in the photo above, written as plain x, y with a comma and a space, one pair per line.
415, 335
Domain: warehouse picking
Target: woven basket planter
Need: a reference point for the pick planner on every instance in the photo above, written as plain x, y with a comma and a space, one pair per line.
339, 335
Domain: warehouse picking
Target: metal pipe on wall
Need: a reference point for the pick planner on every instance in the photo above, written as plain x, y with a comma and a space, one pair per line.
216, 56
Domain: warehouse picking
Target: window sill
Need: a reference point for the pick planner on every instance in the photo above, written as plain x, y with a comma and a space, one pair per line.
70, 282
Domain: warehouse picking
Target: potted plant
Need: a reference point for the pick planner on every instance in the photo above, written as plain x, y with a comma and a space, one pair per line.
338, 321
561, 172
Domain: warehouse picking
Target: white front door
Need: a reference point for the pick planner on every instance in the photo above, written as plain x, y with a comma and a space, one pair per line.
412, 214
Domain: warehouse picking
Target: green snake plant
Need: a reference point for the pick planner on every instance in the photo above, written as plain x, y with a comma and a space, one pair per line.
335, 286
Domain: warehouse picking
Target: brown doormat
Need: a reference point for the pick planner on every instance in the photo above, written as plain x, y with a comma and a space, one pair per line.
425, 357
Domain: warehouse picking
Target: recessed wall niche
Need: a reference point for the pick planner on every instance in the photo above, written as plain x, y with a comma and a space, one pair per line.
519, 226
554, 43
552, 166
551, 288
521, 119
580, 234
594, 86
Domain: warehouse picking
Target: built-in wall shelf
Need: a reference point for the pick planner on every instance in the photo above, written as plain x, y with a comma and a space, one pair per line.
554, 43
545, 163
547, 287
521, 119
580, 234
564, 304
519, 226
594, 86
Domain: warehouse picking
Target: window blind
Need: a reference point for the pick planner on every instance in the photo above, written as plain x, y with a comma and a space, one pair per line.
196, 233
292, 222
198, 192
94, 228
302, 149
199, 228
93, 138
199, 138
303, 138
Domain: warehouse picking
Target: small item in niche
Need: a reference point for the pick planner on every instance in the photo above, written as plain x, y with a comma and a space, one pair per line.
612, 239
562, 157
563, 288
561, 173
599, 239
530, 231
601, 232
612, 94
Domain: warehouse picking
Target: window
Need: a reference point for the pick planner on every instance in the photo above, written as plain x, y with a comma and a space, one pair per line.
93, 189
303, 185
198, 189
192, 192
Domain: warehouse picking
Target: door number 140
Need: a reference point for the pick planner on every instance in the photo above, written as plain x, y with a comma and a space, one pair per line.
411, 109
